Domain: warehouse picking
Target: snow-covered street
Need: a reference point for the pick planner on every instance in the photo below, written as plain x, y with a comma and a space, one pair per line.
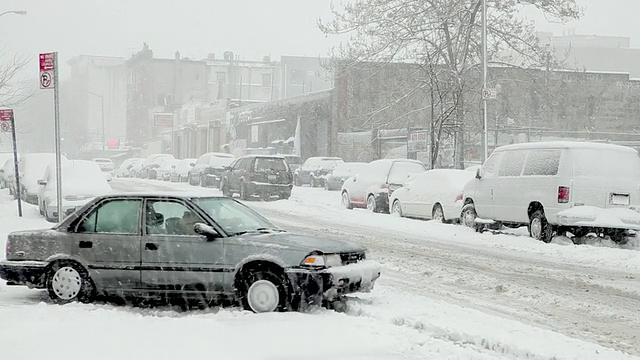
446, 292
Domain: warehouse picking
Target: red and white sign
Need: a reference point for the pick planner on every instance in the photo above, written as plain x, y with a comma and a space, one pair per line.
47, 70
6, 115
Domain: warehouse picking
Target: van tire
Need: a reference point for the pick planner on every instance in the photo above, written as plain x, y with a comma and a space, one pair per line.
468, 211
539, 227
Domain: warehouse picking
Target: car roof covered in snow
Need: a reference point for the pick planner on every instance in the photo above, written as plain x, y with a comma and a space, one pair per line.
565, 145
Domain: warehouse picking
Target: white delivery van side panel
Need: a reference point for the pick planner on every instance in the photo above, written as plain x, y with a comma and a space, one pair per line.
544, 175
605, 178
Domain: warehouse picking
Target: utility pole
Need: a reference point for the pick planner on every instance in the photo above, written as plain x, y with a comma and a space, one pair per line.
484, 79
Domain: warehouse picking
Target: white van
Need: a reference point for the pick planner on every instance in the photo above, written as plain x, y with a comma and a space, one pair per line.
557, 187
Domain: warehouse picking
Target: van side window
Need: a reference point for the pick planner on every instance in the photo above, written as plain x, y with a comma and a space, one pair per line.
512, 163
542, 163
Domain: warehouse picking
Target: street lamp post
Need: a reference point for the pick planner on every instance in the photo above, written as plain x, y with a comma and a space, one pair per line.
18, 12
102, 111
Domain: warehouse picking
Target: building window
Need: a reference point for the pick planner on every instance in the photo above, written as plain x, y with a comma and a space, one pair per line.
266, 80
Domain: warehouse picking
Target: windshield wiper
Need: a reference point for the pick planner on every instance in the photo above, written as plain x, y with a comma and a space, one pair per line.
263, 230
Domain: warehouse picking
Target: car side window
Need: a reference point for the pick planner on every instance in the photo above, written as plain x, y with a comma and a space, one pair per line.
170, 217
113, 217
239, 164
512, 163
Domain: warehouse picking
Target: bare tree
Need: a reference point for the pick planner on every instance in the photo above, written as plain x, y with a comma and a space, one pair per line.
443, 38
13, 88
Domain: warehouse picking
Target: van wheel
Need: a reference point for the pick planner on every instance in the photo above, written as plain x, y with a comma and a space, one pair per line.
468, 216
539, 228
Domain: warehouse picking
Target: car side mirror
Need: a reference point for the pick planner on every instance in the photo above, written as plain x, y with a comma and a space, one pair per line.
1, 171
227, 167
478, 175
192, 164
173, 166
355, 177
205, 230
42, 182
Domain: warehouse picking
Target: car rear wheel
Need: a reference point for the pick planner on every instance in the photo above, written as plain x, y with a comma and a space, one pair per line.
68, 281
539, 227
345, 200
437, 213
371, 203
264, 291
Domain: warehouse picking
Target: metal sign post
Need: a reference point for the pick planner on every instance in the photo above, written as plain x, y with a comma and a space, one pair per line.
7, 123
49, 79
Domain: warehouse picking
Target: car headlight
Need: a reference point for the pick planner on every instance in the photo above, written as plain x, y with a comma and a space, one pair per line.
322, 260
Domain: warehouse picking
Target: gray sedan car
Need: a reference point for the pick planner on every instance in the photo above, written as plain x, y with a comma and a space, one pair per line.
207, 248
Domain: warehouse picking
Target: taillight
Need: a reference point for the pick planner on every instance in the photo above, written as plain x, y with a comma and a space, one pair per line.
459, 197
563, 194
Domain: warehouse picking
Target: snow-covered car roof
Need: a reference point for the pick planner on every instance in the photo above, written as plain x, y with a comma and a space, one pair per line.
565, 145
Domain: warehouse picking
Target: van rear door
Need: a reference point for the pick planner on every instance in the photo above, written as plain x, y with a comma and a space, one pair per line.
605, 178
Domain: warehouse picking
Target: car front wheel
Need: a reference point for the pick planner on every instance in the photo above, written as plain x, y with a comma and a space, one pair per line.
264, 291
68, 281
396, 208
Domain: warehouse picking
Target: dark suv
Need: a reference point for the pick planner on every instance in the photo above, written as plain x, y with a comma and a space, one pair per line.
258, 175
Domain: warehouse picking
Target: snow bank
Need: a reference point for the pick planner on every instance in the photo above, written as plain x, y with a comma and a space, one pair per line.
619, 218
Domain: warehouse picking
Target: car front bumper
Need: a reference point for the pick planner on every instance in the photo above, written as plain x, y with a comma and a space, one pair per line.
314, 286
26, 273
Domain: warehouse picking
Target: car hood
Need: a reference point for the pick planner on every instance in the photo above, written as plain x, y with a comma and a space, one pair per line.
302, 242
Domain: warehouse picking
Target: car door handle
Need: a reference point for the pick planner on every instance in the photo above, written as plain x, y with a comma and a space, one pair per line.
85, 244
151, 246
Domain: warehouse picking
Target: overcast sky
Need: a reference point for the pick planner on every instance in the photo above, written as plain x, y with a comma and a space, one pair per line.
250, 28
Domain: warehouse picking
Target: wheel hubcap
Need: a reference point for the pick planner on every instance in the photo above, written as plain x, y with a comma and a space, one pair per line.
536, 228
437, 214
263, 296
66, 283
469, 218
396, 208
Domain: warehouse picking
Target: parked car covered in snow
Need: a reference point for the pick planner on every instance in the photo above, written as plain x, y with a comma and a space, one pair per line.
105, 164
371, 187
313, 170
335, 179
164, 171
263, 176
7, 175
124, 170
208, 169
151, 164
31, 167
434, 194
81, 181
204, 248
538, 185
180, 173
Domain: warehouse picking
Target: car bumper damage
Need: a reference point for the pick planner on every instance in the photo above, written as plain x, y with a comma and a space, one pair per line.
315, 286
26, 273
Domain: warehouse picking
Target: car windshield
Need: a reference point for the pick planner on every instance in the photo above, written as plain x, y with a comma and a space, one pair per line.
233, 217
329, 164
